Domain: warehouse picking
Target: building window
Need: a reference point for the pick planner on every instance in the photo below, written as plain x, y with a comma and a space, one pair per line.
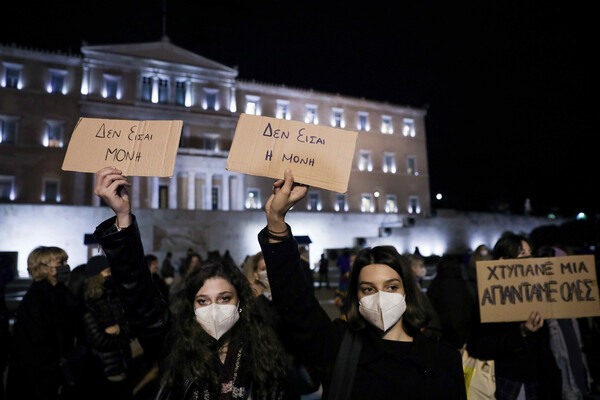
210, 99
12, 76
147, 88
180, 93
391, 205
386, 125
337, 119
210, 142
363, 121
311, 114
163, 195
340, 203
314, 201
51, 193
408, 127
163, 91
7, 188
389, 163
252, 105
411, 165
8, 130
413, 205
54, 134
366, 203
283, 109
57, 81
112, 88
364, 161
253, 199
214, 198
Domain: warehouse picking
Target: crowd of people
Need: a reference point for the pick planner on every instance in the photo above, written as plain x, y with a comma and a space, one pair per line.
127, 326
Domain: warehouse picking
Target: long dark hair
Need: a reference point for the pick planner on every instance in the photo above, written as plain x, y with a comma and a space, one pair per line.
192, 353
414, 317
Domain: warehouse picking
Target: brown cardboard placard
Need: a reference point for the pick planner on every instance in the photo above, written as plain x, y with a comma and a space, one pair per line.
558, 287
137, 148
317, 155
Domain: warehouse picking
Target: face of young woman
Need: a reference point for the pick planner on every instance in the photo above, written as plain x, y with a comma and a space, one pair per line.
525, 250
216, 290
378, 277
260, 267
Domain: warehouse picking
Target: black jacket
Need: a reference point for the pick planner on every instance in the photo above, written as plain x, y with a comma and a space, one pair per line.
424, 369
44, 331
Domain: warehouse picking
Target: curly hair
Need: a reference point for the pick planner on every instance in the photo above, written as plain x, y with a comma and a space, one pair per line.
192, 352
414, 317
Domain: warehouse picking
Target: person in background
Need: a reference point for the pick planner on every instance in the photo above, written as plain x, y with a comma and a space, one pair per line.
450, 297
418, 272
524, 365
395, 360
44, 330
324, 271
167, 271
343, 263
152, 262
107, 333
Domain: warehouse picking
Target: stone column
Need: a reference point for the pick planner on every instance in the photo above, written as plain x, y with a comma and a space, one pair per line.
153, 191
208, 192
173, 192
225, 193
191, 205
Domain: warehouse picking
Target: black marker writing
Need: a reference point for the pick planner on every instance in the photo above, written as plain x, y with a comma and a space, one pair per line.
121, 155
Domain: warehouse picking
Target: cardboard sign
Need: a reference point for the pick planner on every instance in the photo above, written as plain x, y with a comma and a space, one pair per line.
138, 148
317, 155
558, 287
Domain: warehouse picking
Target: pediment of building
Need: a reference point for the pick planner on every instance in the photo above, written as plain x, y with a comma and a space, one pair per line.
163, 50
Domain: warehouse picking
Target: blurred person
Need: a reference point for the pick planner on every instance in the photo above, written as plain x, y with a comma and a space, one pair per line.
524, 365
152, 262
107, 333
218, 345
167, 271
44, 332
418, 272
567, 347
481, 253
303, 379
450, 297
384, 315
324, 271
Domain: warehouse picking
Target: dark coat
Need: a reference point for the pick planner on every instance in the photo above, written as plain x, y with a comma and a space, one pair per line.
449, 295
113, 351
44, 331
424, 369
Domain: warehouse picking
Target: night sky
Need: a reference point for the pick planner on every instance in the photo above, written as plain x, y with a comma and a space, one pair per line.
508, 85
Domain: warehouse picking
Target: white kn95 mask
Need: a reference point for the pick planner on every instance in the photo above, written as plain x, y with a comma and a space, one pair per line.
382, 309
217, 319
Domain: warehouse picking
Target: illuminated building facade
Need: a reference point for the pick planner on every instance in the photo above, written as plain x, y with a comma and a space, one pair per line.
42, 95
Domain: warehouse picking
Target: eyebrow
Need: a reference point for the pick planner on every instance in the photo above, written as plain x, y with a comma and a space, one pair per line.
218, 294
388, 281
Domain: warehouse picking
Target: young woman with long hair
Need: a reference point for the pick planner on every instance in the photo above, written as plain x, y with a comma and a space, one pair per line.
217, 346
394, 360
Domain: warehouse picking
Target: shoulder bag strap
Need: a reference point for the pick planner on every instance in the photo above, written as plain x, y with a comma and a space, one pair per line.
345, 366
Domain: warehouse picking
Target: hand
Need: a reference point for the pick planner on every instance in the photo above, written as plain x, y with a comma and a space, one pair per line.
286, 193
534, 322
111, 188
113, 330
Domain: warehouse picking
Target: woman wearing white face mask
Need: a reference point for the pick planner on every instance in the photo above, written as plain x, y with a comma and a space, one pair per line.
218, 345
394, 360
